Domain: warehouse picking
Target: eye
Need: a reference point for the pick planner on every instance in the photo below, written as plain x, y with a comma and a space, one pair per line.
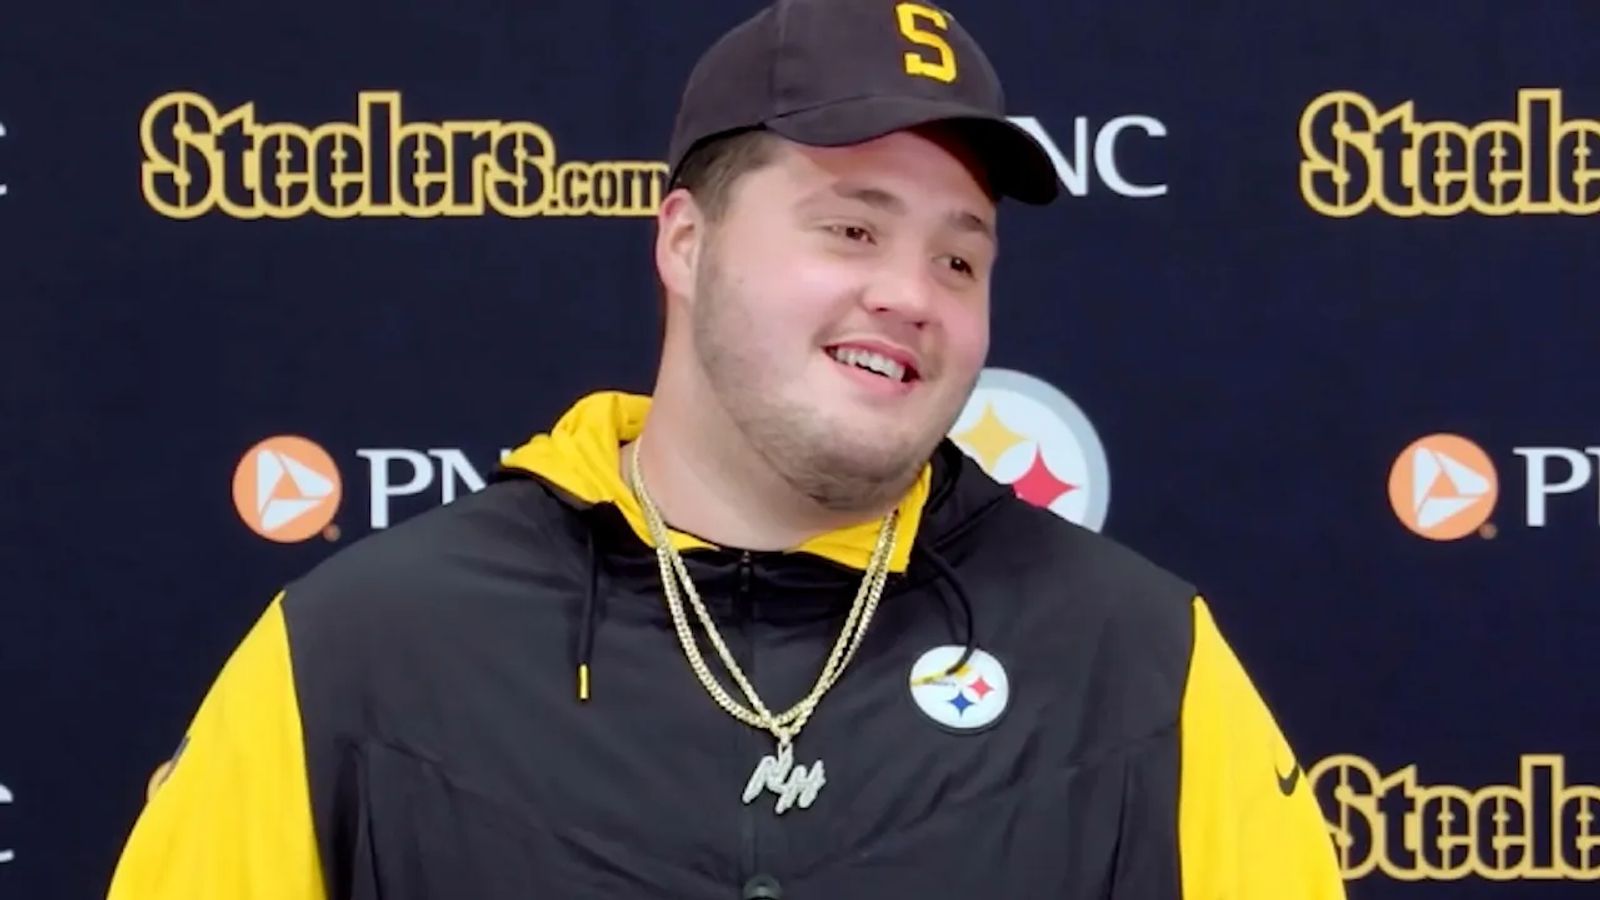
962, 267
851, 232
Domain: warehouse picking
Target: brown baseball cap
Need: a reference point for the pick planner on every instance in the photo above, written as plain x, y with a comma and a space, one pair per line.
836, 72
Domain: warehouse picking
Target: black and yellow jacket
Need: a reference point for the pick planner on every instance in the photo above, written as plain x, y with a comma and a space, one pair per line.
405, 720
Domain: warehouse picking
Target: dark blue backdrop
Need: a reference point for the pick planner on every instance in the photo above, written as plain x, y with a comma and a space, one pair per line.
1255, 357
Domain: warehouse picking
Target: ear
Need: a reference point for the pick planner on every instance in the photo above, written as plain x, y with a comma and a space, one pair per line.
680, 229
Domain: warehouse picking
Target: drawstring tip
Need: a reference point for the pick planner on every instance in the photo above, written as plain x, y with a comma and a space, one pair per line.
583, 682
961, 663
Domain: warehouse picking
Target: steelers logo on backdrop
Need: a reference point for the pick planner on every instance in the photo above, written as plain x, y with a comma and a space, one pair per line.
1027, 434
968, 699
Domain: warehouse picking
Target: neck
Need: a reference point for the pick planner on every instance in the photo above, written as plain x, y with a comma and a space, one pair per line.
707, 480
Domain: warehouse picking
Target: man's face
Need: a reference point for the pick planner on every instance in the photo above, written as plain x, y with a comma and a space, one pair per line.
841, 310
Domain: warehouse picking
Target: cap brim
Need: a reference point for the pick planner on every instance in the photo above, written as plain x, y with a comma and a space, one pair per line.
1016, 165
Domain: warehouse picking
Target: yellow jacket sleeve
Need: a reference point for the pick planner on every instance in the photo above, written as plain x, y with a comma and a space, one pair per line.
1249, 826
230, 815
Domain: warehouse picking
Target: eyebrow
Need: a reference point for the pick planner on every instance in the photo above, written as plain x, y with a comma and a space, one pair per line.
877, 198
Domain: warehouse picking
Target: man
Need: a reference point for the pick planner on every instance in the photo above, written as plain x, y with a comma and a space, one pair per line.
766, 633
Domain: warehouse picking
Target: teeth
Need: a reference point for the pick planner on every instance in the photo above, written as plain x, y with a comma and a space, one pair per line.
866, 359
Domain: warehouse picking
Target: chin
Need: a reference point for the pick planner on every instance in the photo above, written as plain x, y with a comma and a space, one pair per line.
843, 459
873, 448
906, 424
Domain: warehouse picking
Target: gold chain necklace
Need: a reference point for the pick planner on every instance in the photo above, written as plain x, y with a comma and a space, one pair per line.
794, 785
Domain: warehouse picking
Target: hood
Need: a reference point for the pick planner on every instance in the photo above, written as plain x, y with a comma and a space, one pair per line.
580, 459
580, 456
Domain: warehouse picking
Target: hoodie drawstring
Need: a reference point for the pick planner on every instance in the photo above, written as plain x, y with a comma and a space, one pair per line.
586, 622
948, 572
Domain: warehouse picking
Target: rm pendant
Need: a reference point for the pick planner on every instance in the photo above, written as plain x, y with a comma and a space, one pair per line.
794, 785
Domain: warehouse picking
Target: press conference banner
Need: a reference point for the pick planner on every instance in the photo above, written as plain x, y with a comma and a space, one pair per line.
1314, 325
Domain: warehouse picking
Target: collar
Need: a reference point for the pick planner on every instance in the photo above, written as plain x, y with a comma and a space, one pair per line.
580, 455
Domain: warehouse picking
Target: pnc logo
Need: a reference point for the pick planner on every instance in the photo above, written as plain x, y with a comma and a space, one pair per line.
1443, 487
287, 489
1029, 435
6, 798
1100, 156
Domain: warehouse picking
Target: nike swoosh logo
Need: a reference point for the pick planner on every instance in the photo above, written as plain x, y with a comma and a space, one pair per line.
1287, 783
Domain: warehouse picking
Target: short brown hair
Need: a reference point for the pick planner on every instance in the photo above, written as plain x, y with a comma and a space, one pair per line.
710, 171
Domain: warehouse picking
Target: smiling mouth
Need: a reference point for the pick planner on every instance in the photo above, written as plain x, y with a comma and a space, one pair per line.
876, 363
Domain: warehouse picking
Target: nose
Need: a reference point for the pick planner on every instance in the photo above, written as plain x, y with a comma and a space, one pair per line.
902, 289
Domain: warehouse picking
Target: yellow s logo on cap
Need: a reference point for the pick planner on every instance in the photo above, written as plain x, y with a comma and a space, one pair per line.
944, 69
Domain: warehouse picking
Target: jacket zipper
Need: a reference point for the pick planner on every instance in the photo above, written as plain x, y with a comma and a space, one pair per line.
744, 604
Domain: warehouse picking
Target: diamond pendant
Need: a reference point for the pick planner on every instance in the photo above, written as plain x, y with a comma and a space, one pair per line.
794, 785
